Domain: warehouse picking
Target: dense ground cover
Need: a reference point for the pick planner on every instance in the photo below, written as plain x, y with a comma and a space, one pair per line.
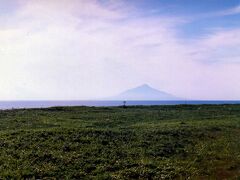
155, 142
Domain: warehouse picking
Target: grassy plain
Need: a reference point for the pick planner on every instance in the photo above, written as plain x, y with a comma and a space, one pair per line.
138, 142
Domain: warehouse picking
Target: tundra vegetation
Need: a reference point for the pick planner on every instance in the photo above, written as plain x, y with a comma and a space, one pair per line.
137, 142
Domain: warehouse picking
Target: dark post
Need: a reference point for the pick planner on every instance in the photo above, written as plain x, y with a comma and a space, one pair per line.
124, 104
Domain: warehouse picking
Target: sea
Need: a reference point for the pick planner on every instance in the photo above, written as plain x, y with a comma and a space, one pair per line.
45, 104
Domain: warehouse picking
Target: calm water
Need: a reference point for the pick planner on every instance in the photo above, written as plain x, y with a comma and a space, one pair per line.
44, 104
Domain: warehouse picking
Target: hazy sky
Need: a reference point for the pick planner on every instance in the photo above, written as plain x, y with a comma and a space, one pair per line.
81, 49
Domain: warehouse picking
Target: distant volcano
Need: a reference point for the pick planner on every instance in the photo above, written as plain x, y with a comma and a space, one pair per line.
144, 92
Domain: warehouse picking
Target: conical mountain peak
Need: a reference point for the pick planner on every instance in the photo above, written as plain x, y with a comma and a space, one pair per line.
144, 86
144, 92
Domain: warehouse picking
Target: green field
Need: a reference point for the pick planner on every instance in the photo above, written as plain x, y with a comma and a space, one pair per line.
154, 142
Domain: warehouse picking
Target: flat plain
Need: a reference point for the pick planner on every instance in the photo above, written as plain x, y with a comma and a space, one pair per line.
136, 142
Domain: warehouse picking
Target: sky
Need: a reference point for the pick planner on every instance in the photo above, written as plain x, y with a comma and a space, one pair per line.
88, 49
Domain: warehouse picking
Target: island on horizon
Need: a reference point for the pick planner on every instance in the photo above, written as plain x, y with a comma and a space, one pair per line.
144, 93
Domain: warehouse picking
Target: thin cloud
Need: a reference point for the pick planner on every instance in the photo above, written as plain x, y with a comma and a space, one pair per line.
231, 11
226, 12
86, 49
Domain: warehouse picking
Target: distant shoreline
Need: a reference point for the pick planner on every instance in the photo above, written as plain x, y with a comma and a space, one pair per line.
4, 105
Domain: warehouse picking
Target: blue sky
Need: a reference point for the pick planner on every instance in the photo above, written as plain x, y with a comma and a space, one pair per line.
203, 15
82, 49
185, 7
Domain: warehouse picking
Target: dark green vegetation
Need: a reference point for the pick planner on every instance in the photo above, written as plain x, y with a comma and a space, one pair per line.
157, 142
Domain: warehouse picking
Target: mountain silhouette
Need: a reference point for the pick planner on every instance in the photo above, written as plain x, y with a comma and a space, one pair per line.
144, 92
